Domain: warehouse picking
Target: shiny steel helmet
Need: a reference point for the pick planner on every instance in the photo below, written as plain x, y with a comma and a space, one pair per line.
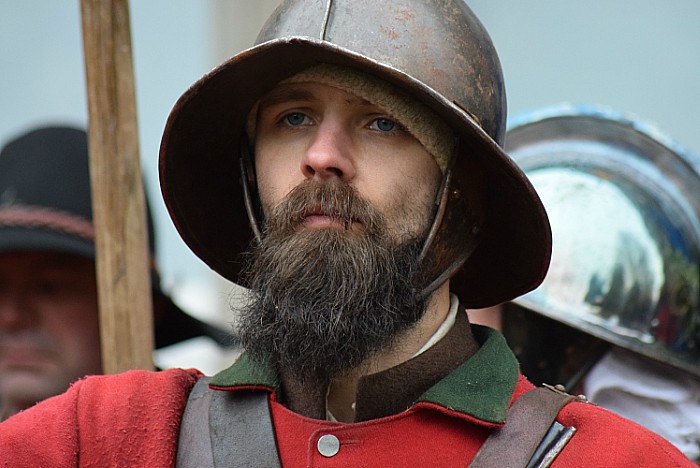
624, 205
436, 52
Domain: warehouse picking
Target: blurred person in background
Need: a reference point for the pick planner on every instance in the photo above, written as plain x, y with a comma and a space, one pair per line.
618, 314
49, 331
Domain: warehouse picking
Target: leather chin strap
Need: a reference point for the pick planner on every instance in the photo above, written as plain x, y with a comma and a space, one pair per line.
250, 190
454, 235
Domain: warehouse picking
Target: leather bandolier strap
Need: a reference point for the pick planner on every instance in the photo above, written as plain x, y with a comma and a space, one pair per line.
532, 437
226, 429
234, 429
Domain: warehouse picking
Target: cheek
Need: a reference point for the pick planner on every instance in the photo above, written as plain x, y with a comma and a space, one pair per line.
75, 324
81, 341
272, 190
406, 186
415, 183
407, 207
276, 175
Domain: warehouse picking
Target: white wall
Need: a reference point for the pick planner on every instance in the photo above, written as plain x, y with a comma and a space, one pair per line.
638, 56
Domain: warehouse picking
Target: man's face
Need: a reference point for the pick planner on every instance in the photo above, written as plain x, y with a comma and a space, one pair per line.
49, 334
348, 196
315, 132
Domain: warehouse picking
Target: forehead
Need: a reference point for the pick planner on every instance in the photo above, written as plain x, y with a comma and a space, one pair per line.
45, 259
310, 91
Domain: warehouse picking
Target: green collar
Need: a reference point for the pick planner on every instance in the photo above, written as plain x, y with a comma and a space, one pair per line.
481, 387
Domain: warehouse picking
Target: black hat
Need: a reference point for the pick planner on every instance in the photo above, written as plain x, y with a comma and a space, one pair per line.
45, 204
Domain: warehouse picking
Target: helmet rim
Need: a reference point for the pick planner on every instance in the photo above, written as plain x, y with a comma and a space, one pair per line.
202, 187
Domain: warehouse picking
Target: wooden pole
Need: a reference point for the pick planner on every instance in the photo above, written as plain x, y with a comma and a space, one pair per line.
126, 321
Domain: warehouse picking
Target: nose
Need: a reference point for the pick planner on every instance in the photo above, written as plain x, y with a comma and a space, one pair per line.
329, 154
15, 311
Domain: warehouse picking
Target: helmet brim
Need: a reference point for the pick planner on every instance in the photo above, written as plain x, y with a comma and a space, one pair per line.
202, 186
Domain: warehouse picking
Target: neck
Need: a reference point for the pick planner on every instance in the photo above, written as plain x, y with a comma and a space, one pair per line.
343, 391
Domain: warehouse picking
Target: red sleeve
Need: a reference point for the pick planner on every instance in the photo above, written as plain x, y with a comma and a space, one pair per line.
45, 435
624, 443
129, 419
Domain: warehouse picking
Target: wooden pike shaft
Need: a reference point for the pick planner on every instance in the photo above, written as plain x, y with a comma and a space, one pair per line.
126, 321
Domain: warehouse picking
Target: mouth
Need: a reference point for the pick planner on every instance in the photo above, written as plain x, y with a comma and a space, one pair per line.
17, 361
23, 355
317, 218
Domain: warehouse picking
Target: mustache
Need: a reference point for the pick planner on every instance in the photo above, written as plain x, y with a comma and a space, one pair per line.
337, 200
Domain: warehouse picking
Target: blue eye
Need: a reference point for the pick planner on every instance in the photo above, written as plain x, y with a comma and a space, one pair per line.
295, 119
384, 125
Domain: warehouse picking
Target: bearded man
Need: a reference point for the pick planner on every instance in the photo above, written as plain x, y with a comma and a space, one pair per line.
367, 167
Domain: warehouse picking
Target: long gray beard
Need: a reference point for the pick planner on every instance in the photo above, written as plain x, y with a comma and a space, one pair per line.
327, 300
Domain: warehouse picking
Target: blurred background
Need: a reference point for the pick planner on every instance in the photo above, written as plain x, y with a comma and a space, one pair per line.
635, 56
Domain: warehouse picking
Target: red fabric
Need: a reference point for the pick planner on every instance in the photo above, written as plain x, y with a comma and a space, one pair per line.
133, 419
428, 438
126, 420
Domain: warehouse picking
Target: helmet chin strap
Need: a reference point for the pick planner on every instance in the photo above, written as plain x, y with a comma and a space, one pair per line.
445, 250
250, 190
441, 204
437, 256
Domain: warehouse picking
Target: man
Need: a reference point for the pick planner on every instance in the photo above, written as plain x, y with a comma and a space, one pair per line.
367, 163
49, 334
617, 314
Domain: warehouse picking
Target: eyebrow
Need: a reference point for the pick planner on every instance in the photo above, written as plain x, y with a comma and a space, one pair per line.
293, 93
286, 94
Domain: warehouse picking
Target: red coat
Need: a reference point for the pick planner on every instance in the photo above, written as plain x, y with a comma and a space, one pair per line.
133, 419
126, 420
429, 435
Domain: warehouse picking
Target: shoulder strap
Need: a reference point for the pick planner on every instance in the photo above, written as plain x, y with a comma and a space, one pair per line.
234, 429
242, 434
193, 446
227, 429
531, 436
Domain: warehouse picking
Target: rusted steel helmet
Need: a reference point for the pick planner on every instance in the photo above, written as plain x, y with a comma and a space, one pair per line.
624, 203
438, 53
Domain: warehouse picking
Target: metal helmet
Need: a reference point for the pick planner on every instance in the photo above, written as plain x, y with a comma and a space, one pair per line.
624, 204
436, 52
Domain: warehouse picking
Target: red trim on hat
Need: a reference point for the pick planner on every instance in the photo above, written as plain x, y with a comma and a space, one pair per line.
41, 217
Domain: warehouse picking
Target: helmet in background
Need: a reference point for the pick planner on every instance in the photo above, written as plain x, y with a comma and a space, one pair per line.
624, 206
